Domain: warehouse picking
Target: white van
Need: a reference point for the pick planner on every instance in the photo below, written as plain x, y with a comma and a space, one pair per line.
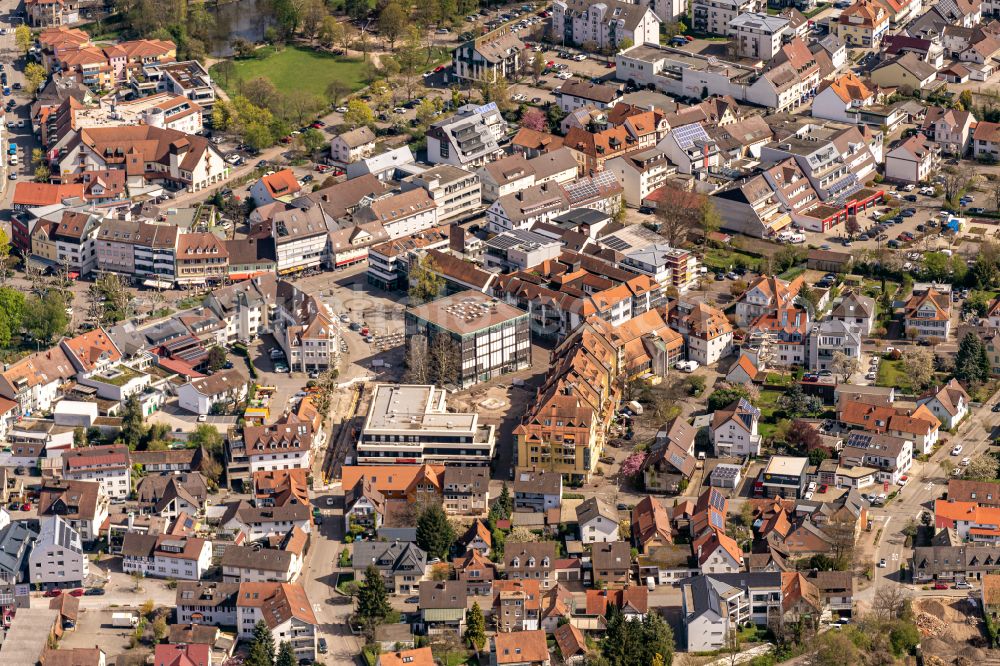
650, 584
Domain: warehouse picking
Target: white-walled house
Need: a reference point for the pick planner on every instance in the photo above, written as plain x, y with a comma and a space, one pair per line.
57, 557
353, 145
707, 332
286, 610
950, 403
166, 556
842, 98
734, 430
598, 521
108, 465
913, 161
225, 387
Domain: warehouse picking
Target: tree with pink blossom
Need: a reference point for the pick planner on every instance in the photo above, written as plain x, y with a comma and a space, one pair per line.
535, 120
633, 464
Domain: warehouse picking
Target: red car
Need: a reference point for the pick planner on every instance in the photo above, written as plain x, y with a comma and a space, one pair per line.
286, 139
322, 168
26, 507
52, 593
439, 68
823, 488
609, 65
940, 586
318, 124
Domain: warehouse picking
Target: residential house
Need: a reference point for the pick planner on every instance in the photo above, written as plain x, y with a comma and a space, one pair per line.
521, 648
166, 556
767, 294
986, 140
442, 606
202, 395
733, 430
906, 70
855, 310
714, 605
108, 465
951, 129
413, 484
757, 36
364, 505
280, 186
401, 564
353, 145
671, 459
954, 563
949, 403
571, 643
537, 491
927, 315
84, 504
840, 99
468, 138
983, 493
516, 605
531, 561
415, 657
285, 609
708, 335
488, 57
243, 564
633, 602
892, 456
612, 563
597, 520
477, 571
651, 526
574, 94
828, 338
202, 259
863, 24
913, 160
57, 558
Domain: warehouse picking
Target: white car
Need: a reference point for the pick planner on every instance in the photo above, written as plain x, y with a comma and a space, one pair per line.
202, 418
580, 57
965, 461
687, 366
564, 75
956, 449
341, 109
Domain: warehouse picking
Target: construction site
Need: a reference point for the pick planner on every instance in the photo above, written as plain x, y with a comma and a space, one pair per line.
952, 631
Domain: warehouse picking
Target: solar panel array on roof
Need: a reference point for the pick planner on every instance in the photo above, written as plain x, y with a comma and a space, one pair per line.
686, 135
717, 500
717, 520
616, 243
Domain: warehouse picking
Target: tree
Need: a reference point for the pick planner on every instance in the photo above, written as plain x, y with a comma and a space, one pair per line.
475, 627
34, 77
4, 257
982, 468
80, 437
534, 119
261, 646
425, 284
357, 9
434, 533
726, 395
845, 365
835, 649
936, 265
216, 358
373, 602
418, 369
710, 220
336, 90
956, 181
972, 364
918, 364
286, 656
947, 466
502, 506
160, 627
45, 317
678, 212
852, 227
392, 23
795, 403
537, 68
444, 359
12, 308
133, 427
426, 110
313, 14
802, 435
242, 48
732, 644
312, 140
889, 602
208, 438
23, 38
358, 113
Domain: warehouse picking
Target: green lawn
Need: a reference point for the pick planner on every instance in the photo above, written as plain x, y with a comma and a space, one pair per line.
295, 68
892, 373
727, 259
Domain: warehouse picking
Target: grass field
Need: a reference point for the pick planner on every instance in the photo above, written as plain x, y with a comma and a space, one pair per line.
892, 373
727, 259
295, 68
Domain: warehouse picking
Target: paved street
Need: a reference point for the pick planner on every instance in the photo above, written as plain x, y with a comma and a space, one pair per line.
927, 483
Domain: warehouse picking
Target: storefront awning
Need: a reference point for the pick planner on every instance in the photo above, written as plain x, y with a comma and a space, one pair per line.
157, 284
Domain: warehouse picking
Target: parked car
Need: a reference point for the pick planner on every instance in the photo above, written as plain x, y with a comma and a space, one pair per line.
94, 592
52, 593
940, 586
882, 563
957, 449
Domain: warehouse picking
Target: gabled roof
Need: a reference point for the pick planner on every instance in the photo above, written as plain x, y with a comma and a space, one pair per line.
520, 647
278, 602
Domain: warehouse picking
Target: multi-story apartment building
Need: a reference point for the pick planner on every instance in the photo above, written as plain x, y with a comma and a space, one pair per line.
484, 338
640, 174
892, 456
285, 609
202, 259
757, 36
605, 24
57, 557
189, 78
715, 16
166, 556
139, 251
278, 446
667, 266
827, 338
405, 213
305, 330
713, 605
466, 490
526, 208
84, 504
402, 564
300, 239
389, 262
490, 57
209, 603
73, 236
467, 139
863, 24
708, 335
519, 250
52, 13
411, 424
913, 160
246, 307
456, 192
108, 465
